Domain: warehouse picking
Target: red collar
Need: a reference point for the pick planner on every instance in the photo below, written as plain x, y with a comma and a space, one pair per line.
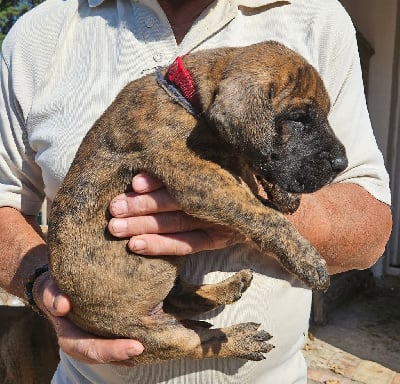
182, 79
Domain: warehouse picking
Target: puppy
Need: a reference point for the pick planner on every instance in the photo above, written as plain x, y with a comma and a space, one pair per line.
199, 126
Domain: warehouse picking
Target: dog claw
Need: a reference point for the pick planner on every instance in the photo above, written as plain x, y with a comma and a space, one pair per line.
250, 343
255, 357
310, 268
262, 336
318, 278
324, 279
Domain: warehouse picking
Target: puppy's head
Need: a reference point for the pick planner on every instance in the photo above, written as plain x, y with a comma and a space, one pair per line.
271, 107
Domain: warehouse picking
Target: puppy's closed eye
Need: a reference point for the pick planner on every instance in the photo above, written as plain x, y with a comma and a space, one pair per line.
299, 117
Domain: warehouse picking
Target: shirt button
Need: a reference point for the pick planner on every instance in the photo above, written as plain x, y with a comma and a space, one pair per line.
149, 21
157, 56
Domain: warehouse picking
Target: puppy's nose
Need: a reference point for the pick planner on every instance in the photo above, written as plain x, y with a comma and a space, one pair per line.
339, 164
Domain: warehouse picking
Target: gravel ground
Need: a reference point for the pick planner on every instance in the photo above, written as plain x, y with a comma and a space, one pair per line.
367, 325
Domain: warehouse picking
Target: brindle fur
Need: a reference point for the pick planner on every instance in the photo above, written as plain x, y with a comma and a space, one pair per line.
263, 106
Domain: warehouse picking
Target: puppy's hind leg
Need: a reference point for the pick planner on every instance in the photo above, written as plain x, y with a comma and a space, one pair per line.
186, 300
170, 339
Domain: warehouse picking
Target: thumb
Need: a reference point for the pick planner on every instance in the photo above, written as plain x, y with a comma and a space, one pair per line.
48, 297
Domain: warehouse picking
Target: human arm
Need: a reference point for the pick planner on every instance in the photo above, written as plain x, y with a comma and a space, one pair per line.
346, 224
23, 250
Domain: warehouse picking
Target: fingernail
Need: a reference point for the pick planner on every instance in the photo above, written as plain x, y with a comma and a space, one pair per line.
139, 184
55, 303
135, 350
137, 245
119, 225
119, 207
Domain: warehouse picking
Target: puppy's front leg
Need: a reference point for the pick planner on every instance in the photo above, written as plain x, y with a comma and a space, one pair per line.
187, 300
206, 190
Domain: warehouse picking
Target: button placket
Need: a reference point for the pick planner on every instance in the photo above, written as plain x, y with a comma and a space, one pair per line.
151, 29
149, 21
154, 34
157, 57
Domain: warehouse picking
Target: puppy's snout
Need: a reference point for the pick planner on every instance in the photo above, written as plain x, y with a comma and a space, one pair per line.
339, 164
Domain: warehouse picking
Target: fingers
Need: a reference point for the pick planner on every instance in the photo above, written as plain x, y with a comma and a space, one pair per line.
134, 204
170, 222
143, 182
184, 243
48, 297
85, 347
169, 233
149, 196
155, 224
173, 233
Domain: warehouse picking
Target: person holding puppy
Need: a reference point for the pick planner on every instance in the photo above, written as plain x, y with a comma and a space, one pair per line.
62, 65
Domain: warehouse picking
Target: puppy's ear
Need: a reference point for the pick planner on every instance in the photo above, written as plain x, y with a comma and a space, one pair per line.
243, 116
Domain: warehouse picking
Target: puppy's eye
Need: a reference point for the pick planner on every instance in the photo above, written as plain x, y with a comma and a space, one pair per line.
299, 118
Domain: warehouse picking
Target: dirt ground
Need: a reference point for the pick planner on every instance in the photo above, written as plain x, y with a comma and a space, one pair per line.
368, 324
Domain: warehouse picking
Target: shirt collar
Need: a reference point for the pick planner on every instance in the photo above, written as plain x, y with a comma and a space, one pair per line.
244, 3
94, 3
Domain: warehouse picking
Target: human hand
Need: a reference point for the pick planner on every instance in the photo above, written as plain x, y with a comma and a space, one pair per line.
72, 340
156, 225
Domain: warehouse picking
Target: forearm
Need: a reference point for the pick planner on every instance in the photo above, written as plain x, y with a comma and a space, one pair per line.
22, 249
346, 224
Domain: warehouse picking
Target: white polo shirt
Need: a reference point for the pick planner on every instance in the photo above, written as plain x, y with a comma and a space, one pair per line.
65, 61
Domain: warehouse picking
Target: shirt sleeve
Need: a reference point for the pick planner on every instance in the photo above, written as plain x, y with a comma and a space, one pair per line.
349, 115
21, 185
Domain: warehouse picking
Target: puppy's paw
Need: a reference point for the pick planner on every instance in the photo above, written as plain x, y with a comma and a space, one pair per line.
249, 342
300, 258
318, 277
235, 285
312, 269
279, 199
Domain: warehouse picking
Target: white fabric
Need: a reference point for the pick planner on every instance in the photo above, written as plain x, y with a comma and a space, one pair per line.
65, 61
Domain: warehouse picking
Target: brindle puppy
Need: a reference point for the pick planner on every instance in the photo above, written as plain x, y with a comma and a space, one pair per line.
263, 107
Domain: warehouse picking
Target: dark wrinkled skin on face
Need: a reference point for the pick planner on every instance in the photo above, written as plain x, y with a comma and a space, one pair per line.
303, 138
264, 118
